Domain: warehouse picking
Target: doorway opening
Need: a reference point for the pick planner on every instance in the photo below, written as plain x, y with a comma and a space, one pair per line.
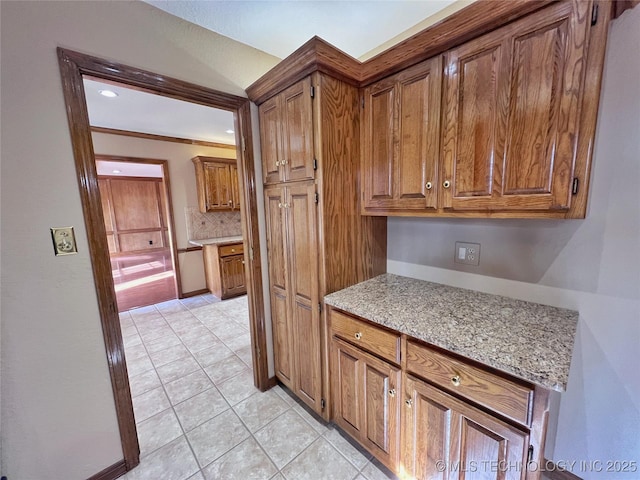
73, 66
136, 200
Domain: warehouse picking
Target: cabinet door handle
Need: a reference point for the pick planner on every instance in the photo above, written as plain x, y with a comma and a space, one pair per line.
277, 163
358, 335
392, 392
233, 250
446, 184
429, 185
279, 204
408, 402
284, 162
455, 380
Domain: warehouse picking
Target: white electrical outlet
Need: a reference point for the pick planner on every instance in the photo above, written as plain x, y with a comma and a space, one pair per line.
467, 253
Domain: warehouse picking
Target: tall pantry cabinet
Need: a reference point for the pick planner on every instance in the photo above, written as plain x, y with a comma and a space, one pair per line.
316, 239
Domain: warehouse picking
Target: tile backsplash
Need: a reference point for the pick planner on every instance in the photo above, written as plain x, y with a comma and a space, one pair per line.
211, 224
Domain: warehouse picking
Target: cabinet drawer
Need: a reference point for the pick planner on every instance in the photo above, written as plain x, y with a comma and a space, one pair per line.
508, 398
234, 249
366, 336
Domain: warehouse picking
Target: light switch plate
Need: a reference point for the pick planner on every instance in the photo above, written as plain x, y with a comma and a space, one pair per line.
467, 253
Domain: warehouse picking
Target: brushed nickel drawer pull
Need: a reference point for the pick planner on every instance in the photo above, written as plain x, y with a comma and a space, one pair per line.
392, 392
456, 381
358, 335
429, 185
277, 163
408, 402
446, 184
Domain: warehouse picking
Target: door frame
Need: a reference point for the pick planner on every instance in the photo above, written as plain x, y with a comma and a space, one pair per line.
73, 65
168, 202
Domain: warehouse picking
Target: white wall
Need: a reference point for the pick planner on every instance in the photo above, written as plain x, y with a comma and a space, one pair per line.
58, 415
590, 265
183, 188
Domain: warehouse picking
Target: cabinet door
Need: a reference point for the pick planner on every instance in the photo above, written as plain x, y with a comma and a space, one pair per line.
512, 109
480, 446
270, 139
297, 132
418, 131
366, 396
235, 187
233, 280
279, 284
426, 433
217, 185
302, 258
401, 139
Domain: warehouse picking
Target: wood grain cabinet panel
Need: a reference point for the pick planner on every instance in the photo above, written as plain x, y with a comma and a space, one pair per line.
446, 438
286, 133
400, 139
224, 270
217, 184
317, 241
366, 392
512, 106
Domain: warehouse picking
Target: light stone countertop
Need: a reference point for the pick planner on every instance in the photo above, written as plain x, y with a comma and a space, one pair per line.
216, 241
528, 340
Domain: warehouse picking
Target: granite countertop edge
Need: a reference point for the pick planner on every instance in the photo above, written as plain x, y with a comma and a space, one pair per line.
217, 241
536, 346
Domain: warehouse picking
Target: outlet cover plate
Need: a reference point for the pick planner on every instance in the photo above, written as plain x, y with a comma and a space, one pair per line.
467, 253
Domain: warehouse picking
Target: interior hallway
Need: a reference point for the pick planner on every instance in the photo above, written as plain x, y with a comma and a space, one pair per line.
200, 417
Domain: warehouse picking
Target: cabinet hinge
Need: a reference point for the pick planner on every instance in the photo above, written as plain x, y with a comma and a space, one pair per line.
575, 186
315, 164
251, 254
319, 307
244, 145
322, 403
317, 197
362, 102
594, 14
530, 455
313, 92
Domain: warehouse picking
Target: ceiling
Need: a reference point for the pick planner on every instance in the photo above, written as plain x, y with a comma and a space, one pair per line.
280, 27
275, 27
138, 111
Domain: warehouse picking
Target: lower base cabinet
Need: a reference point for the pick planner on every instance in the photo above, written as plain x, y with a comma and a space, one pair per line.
224, 270
366, 400
445, 438
482, 426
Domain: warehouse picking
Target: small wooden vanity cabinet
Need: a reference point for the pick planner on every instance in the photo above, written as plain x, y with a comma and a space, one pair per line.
217, 184
224, 270
427, 413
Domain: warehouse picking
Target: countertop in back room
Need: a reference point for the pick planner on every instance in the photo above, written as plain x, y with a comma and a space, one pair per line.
528, 340
216, 241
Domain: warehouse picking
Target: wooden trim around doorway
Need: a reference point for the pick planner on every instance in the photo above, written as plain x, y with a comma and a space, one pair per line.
73, 66
162, 138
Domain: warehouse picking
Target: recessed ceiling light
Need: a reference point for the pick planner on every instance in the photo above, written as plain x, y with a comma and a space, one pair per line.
229, 131
108, 93
117, 171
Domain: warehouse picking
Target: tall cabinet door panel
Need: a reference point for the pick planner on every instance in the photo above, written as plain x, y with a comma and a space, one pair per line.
270, 139
548, 66
418, 100
378, 143
275, 201
401, 138
475, 120
218, 188
303, 262
297, 131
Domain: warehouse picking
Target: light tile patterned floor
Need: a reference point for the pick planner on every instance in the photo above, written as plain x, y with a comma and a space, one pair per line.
199, 415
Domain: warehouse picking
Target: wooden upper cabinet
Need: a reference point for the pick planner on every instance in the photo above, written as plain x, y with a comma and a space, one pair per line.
511, 113
217, 184
400, 138
286, 132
